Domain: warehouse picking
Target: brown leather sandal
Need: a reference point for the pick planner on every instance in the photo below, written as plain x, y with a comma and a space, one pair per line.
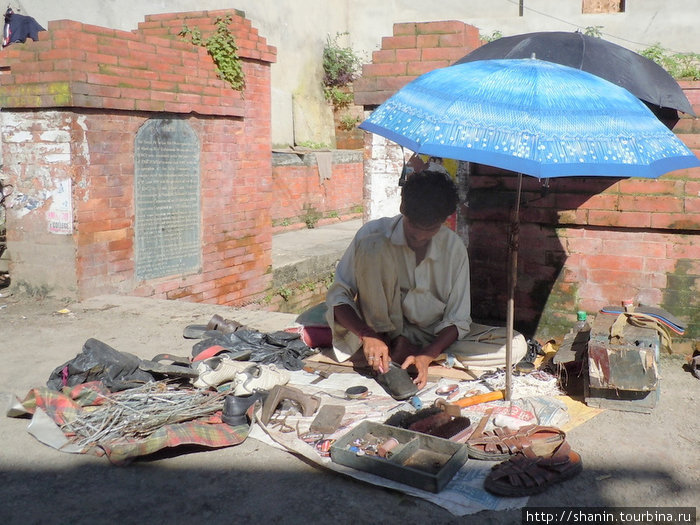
502, 443
526, 474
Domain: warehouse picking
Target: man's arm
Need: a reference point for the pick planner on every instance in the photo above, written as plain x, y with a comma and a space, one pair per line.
445, 338
374, 346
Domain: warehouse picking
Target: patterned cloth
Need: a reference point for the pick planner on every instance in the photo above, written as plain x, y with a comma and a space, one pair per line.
63, 407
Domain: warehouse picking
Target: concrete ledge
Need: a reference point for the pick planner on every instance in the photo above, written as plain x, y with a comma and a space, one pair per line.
310, 253
293, 157
308, 269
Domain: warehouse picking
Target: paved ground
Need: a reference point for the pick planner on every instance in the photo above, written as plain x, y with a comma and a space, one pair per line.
629, 459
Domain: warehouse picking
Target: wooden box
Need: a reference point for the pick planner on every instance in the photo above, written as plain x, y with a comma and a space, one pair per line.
622, 373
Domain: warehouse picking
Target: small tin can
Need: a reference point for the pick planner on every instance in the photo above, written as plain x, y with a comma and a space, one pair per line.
385, 448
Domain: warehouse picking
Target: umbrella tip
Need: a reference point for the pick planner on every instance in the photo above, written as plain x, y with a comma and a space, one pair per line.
533, 56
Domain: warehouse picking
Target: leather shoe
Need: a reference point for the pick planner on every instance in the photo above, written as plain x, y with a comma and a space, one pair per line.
235, 407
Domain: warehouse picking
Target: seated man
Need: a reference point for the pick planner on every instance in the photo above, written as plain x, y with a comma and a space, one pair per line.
401, 290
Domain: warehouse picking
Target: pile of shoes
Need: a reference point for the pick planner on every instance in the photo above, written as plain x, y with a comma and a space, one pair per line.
283, 348
221, 360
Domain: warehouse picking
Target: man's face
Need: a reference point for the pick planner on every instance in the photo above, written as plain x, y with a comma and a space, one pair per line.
418, 235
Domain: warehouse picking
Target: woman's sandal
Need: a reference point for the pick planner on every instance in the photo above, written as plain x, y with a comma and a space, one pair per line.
502, 443
526, 474
177, 366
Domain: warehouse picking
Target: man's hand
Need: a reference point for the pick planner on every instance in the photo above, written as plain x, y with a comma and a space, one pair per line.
421, 362
376, 353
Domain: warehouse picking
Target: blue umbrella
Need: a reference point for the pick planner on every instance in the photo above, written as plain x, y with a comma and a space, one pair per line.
533, 117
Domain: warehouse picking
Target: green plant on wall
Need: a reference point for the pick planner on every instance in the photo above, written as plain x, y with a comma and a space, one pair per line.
679, 65
222, 48
311, 217
313, 145
341, 65
338, 97
495, 35
348, 122
594, 31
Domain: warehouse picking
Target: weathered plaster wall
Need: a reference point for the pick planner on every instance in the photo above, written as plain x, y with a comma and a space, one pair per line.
39, 163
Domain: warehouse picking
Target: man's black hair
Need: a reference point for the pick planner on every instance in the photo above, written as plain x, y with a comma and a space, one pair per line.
428, 197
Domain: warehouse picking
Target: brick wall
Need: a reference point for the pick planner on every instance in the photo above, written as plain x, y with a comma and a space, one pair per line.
413, 49
584, 244
301, 198
72, 104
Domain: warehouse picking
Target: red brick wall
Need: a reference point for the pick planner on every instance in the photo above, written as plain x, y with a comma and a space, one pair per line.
106, 84
413, 49
302, 199
587, 243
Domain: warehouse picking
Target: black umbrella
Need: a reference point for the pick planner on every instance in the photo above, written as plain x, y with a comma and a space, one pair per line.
642, 77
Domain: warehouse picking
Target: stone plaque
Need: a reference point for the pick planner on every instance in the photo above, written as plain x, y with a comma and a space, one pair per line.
166, 198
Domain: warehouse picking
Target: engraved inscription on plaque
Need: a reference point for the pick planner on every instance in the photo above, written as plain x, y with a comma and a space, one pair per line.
166, 197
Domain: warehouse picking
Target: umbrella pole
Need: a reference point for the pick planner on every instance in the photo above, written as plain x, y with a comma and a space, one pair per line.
512, 278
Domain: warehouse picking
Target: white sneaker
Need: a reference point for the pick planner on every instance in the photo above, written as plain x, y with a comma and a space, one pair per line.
259, 377
218, 370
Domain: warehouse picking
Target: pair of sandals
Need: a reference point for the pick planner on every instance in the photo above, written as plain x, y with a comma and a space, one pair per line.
536, 457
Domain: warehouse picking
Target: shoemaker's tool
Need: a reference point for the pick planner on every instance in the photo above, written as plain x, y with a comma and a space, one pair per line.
452, 409
322, 374
328, 419
308, 403
524, 367
480, 398
416, 402
384, 450
447, 389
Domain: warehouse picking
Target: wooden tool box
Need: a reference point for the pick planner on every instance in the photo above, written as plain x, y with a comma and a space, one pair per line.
622, 372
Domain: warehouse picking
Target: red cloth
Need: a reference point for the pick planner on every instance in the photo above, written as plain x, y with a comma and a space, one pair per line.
65, 406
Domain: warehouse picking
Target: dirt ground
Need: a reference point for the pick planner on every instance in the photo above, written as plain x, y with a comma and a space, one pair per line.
630, 459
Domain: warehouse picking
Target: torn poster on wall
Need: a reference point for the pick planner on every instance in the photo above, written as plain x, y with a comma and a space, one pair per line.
59, 216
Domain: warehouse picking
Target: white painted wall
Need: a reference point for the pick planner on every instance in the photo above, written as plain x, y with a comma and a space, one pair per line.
299, 29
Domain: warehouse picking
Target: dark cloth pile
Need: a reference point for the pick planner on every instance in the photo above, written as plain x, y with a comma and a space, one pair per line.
18, 28
100, 362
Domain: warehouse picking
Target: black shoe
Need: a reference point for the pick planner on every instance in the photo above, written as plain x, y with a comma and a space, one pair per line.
397, 382
235, 407
533, 350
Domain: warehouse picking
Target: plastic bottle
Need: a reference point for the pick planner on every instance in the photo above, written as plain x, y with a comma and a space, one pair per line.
582, 334
582, 322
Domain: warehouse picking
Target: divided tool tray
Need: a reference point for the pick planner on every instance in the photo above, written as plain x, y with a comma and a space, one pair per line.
419, 460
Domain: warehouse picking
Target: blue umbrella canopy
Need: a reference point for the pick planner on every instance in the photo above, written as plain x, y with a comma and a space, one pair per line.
530, 116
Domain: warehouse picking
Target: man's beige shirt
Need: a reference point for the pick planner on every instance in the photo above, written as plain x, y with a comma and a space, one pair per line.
435, 294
